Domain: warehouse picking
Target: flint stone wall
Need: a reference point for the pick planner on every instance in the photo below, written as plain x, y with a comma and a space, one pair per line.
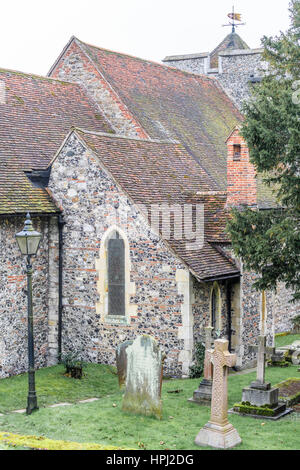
196, 65
13, 298
88, 196
233, 73
284, 310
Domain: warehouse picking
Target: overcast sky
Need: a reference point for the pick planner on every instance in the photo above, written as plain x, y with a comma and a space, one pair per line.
33, 32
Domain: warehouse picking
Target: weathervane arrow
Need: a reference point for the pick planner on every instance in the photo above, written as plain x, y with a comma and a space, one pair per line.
234, 17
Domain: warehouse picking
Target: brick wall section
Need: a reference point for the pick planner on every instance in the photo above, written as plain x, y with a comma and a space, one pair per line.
241, 180
75, 66
13, 299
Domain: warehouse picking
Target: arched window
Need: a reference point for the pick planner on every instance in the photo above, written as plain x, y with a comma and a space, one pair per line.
213, 309
116, 274
113, 285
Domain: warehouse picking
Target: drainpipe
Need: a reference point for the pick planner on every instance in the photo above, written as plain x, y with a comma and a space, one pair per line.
60, 224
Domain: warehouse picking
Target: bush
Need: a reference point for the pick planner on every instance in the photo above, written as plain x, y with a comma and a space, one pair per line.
196, 370
73, 363
284, 363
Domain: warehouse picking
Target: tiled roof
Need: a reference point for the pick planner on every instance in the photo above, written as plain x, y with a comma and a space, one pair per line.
18, 195
170, 103
155, 172
35, 116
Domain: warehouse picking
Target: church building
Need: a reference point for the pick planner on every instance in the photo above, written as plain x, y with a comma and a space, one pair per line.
128, 169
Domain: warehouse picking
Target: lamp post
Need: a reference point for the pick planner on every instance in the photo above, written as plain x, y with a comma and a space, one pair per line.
28, 241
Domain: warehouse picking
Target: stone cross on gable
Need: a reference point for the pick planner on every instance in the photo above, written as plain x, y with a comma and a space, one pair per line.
222, 359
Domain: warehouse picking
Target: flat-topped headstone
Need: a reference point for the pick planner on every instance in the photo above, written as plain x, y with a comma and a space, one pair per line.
218, 432
121, 361
144, 377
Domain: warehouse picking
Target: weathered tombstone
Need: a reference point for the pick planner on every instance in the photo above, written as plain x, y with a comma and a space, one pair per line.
218, 432
144, 377
202, 395
121, 361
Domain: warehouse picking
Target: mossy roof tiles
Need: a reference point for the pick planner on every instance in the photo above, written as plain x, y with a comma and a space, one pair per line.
18, 195
169, 103
37, 114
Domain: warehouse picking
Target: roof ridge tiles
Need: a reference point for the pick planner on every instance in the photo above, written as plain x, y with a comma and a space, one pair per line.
34, 75
168, 67
119, 136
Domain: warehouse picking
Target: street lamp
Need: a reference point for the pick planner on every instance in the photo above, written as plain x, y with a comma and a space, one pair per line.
28, 240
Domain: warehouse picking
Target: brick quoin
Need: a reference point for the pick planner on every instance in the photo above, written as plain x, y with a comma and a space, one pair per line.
241, 176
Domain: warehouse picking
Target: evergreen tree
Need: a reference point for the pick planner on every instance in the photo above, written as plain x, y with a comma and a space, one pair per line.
268, 241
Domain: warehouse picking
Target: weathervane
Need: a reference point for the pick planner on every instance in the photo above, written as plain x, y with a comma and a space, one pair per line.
234, 17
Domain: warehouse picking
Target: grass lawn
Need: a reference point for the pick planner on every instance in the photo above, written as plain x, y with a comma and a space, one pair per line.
53, 387
285, 340
104, 422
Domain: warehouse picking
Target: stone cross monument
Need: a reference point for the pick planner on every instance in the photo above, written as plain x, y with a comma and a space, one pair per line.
260, 392
218, 432
202, 395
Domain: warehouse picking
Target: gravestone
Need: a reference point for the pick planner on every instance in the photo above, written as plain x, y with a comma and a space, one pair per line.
144, 377
121, 361
202, 395
218, 432
260, 392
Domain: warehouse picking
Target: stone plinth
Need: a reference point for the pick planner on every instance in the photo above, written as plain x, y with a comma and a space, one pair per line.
260, 397
202, 395
215, 435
